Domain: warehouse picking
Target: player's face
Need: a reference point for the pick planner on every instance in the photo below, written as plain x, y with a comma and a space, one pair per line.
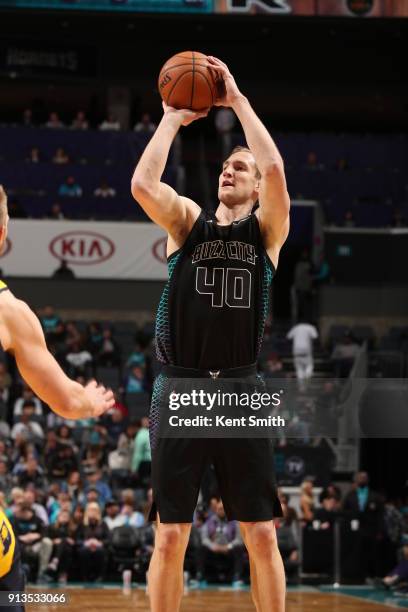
238, 183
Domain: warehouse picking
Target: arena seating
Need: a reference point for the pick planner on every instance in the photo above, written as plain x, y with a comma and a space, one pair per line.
357, 172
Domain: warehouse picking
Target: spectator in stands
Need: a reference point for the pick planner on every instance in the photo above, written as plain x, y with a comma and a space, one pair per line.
27, 118
322, 272
94, 338
130, 516
29, 531
50, 321
104, 190
110, 123
136, 357
273, 367
79, 361
306, 500
65, 436
94, 480
16, 210
142, 457
30, 497
34, 157
119, 462
225, 121
145, 125
93, 547
74, 486
344, 353
135, 382
56, 212
288, 545
62, 535
54, 122
109, 353
73, 336
80, 122
70, 189
63, 272
366, 506
112, 517
302, 336
303, 288
399, 574
63, 501
6, 479
27, 396
327, 513
114, 424
221, 541
349, 219
5, 377
312, 162
30, 429
60, 156
289, 512
394, 531
31, 473
64, 462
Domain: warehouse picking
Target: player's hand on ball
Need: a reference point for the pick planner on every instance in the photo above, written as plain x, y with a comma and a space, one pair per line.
227, 88
100, 398
185, 115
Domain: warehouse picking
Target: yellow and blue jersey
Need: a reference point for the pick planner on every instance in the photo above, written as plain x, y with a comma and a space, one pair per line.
7, 544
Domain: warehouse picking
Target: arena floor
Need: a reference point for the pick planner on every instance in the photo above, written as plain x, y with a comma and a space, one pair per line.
300, 599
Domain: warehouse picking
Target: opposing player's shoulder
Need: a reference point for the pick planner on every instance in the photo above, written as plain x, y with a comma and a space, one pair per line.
15, 317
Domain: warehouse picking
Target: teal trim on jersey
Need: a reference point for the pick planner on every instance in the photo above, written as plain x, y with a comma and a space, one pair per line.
268, 274
163, 341
158, 396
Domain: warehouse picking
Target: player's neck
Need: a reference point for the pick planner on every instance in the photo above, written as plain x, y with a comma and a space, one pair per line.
226, 215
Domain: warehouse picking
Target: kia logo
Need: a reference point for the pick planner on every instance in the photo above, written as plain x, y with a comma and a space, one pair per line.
82, 248
6, 248
159, 250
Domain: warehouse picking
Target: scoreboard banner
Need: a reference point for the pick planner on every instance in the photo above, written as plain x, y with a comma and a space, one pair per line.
90, 249
326, 8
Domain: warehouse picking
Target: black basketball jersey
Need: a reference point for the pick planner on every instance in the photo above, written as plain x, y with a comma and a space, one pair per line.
213, 309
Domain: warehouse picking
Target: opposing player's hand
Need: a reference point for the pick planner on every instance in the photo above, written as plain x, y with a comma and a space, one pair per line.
184, 115
228, 89
100, 399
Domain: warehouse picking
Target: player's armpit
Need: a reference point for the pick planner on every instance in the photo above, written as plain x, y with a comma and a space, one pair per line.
35, 363
174, 213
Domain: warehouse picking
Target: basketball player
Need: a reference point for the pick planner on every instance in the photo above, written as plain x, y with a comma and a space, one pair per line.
22, 335
205, 327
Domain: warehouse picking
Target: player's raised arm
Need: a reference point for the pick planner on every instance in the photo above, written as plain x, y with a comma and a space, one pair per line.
21, 334
274, 202
173, 212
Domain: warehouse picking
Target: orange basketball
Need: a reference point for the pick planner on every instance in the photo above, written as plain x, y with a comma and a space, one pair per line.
185, 81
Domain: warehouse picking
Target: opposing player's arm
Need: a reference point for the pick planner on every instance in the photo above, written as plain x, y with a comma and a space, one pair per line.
21, 333
174, 213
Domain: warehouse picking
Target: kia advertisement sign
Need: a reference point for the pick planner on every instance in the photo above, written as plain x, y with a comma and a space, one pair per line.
91, 249
82, 248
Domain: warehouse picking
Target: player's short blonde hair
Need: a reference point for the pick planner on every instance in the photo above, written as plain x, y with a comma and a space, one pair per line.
239, 148
3, 206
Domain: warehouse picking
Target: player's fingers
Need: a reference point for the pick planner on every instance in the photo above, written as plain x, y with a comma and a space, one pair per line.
92, 383
218, 62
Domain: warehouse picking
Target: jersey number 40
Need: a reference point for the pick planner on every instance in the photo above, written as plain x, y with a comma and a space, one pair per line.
226, 286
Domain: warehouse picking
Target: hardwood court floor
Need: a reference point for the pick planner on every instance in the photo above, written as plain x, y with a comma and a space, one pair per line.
205, 601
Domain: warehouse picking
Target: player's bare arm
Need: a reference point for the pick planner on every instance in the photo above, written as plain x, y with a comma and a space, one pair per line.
174, 213
22, 335
274, 202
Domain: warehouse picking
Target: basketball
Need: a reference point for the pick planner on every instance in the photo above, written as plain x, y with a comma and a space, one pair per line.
185, 81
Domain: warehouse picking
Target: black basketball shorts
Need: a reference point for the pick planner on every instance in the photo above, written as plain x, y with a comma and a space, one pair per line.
244, 468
